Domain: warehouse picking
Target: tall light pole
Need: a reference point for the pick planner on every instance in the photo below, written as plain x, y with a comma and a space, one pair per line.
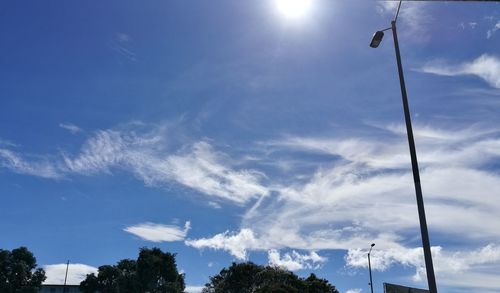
370, 267
65, 277
377, 39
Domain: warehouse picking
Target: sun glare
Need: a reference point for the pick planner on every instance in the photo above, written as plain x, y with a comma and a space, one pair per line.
293, 8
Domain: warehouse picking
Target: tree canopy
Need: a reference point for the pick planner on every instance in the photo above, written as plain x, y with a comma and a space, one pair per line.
251, 278
154, 271
18, 273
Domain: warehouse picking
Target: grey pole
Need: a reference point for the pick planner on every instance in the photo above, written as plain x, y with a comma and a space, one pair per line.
431, 279
65, 277
370, 267
370, 270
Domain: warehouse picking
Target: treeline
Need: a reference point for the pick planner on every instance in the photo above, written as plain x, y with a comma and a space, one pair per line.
155, 271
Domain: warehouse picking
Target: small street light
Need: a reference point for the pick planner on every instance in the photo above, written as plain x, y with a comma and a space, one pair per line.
370, 265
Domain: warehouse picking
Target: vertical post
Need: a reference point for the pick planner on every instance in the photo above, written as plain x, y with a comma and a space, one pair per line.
65, 277
370, 270
431, 279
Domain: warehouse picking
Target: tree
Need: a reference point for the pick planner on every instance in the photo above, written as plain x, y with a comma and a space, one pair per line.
127, 281
237, 278
251, 278
157, 272
18, 273
154, 271
316, 285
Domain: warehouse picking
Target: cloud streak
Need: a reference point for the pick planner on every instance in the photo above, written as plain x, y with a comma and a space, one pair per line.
414, 15
365, 194
146, 155
17, 164
486, 67
121, 44
493, 30
73, 129
159, 232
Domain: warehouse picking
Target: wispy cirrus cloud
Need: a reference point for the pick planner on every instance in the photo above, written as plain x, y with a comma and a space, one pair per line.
159, 232
73, 129
414, 15
365, 194
196, 166
76, 273
121, 44
486, 67
147, 155
493, 30
40, 167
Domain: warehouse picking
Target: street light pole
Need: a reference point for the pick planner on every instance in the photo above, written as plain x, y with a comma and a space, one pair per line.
376, 40
65, 277
370, 267
431, 279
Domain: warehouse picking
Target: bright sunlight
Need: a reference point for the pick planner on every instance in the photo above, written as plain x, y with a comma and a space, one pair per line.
293, 8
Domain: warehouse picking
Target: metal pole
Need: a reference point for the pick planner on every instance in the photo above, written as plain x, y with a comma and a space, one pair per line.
65, 277
431, 279
370, 270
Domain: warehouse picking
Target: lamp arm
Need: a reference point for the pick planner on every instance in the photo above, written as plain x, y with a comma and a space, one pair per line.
397, 13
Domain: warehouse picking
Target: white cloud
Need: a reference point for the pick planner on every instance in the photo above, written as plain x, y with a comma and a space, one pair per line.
147, 155
76, 273
295, 261
437, 148
451, 267
214, 205
236, 244
99, 153
159, 232
356, 290
122, 37
194, 289
197, 166
70, 127
7, 143
486, 67
121, 44
493, 30
414, 16
201, 170
41, 167
365, 194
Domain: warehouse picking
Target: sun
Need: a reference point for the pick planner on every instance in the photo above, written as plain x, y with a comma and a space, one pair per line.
293, 8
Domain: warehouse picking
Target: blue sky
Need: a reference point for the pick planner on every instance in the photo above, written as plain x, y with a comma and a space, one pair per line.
230, 131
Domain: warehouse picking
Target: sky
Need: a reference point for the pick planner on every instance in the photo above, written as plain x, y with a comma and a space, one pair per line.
229, 131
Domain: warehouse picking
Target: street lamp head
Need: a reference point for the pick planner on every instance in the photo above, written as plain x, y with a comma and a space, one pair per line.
377, 39
373, 244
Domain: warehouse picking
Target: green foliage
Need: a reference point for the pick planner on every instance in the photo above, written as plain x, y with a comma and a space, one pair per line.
157, 272
154, 271
251, 278
18, 273
315, 285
